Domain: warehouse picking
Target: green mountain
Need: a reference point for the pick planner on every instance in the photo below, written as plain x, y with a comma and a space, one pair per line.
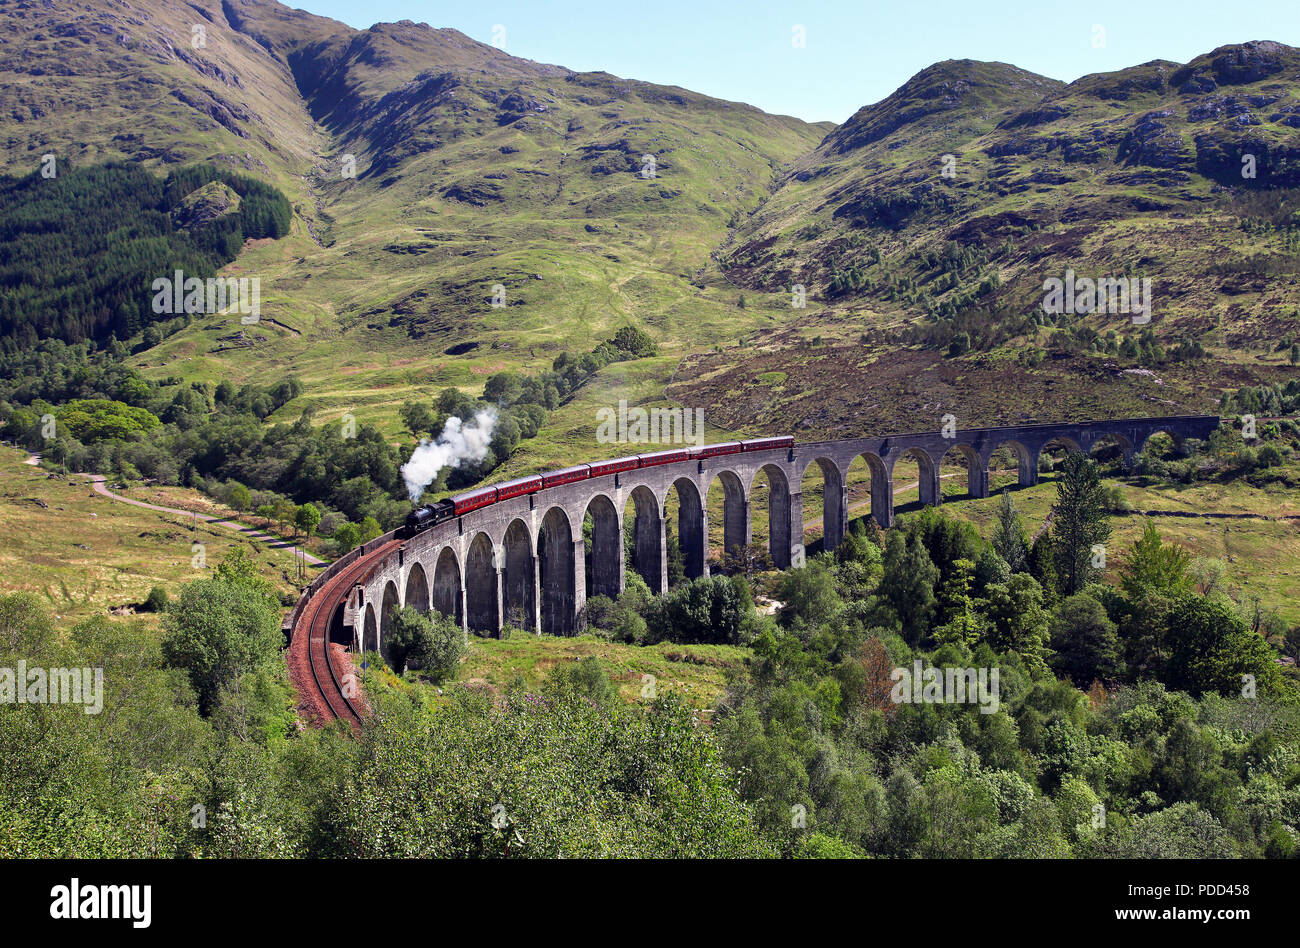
458, 211
934, 218
425, 170
1033, 176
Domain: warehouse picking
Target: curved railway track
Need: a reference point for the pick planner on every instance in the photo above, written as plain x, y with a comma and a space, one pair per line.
324, 693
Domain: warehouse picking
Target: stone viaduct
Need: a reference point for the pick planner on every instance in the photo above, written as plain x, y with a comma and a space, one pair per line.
522, 561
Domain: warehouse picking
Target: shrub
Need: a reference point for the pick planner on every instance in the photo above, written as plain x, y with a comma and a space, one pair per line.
709, 609
446, 646
428, 641
586, 678
1269, 456
218, 630
600, 612
346, 537
156, 601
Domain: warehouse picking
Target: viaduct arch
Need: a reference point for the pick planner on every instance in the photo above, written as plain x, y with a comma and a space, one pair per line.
524, 562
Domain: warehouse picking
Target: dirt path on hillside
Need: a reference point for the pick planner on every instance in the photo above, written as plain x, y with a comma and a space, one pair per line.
99, 483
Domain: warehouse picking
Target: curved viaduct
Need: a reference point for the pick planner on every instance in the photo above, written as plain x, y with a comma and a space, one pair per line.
522, 560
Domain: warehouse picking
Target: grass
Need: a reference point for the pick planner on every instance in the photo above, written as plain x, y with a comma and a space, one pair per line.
697, 673
85, 554
1260, 551
182, 498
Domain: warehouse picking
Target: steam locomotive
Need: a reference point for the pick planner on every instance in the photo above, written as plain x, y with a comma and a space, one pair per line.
422, 518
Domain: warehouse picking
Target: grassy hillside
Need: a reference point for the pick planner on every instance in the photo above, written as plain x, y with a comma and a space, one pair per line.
472, 168
154, 82
1074, 174
85, 554
696, 673
427, 169
1259, 542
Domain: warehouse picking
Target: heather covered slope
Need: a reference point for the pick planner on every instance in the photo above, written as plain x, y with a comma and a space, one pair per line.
152, 81
1115, 170
930, 222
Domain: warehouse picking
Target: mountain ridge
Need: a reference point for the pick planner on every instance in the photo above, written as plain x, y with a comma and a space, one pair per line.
595, 201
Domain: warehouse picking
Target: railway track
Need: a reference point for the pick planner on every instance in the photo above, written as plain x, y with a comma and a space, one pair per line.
323, 687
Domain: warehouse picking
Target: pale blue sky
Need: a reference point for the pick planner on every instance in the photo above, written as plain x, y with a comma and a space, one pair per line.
855, 53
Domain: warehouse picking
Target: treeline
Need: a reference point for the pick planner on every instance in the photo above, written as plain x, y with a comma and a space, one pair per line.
78, 252
923, 278
1226, 454
108, 419
1150, 718
1142, 720
982, 327
1277, 398
1144, 348
263, 210
1275, 208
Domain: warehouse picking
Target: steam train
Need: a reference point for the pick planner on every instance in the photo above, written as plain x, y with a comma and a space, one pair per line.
422, 518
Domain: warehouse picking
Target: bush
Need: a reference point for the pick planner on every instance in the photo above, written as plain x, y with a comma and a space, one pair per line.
1118, 502
808, 596
1269, 456
710, 609
649, 784
346, 537
600, 612
156, 601
629, 626
217, 631
587, 679
446, 646
1085, 641
821, 846
990, 568
427, 641
634, 603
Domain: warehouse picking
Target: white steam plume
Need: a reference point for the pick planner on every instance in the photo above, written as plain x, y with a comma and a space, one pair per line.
458, 443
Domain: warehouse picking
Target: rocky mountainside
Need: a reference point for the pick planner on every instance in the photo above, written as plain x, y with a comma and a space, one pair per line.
1155, 168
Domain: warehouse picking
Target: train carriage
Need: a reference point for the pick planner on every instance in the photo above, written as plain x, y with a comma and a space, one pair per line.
519, 486
664, 457
473, 500
567, 475
768, 444
616, 466
717, 450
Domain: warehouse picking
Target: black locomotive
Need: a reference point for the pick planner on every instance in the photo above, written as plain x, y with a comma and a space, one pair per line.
422, 518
